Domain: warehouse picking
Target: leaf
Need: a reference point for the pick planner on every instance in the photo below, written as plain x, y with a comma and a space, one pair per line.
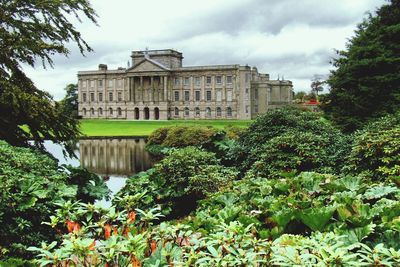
316, 218
213, 251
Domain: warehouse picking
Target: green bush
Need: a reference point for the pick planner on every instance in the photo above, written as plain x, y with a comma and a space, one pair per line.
295, 152
30, 185
179, 180
376, 154
181, 136
289, 120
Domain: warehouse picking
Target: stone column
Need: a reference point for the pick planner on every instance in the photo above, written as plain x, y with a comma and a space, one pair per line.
141, 89
151, 89
165, 78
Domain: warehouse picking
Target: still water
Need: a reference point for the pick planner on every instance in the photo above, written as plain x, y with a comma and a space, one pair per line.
113, 159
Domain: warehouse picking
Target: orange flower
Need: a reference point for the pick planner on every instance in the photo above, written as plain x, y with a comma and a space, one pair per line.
153, 246
126, 231
107, 231
135, 262
91, 247
70, 226
131, 217
77, 227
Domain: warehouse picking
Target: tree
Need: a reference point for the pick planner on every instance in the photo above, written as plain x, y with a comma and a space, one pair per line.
317, 84
70, 102
32, 31
366, 81
299, 96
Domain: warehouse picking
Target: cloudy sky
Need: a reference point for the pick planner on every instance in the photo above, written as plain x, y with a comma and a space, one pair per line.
291, 38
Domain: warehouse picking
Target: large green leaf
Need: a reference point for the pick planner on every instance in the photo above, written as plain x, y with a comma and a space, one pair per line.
316, 218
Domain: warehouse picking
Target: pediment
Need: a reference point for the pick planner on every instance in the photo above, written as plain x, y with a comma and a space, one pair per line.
147, 65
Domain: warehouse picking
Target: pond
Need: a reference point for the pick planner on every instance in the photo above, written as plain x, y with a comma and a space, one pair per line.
113, 159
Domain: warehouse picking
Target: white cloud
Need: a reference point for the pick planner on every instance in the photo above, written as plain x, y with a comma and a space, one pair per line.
281, 37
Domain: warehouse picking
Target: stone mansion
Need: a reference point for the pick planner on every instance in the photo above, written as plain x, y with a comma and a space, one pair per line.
157, 87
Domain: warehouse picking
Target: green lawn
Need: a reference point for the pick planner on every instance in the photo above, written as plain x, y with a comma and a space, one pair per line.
144, 128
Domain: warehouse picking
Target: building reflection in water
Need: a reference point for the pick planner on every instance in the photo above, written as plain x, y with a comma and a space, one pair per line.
122, 157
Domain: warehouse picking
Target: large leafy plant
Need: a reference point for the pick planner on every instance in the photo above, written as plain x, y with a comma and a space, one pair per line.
179, 180
31, 183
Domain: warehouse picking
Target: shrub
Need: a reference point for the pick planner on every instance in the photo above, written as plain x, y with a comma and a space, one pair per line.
289, 120
31, 182
179, 180
181, 136
375, 149
295, 152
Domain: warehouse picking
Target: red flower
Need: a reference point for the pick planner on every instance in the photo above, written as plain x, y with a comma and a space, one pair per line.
126, 231
107, 231
135, 262
91, 247
77, 228
153, 246
70, 226
131, 217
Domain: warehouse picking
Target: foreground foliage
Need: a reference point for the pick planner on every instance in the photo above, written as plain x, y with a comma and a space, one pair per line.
31, 182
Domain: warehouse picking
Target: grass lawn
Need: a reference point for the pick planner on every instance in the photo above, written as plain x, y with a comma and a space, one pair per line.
96, 127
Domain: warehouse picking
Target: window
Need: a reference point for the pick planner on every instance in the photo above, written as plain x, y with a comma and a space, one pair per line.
100, 97
84, 97
229, 79
92, 97
247, 109
110, 96
197, 81
219, 112
229, 95
255, 93
197, 111
92, 111
100, 83
197, 95
219, 95
176, 111
219, 79
100, 111
186, 95
84, 111
177, 81
119, 96
176, 95
186, 81
186, 112
110, 111
208, 112
208, 95
119, 111
256, 108
110, 83
83, 84
247, 91
91, 83
119, 83
208, 79
229, 112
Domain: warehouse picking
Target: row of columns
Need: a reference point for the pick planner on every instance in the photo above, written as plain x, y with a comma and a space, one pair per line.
141, 93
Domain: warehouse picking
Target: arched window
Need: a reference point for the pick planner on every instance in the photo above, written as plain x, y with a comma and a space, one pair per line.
186, 112
110, 111
119, 111
197, 111
156, 113
146, 113
176, 111
84, 111
208, 112
137, 115
100, 111
219, 112
92, 111
229, 112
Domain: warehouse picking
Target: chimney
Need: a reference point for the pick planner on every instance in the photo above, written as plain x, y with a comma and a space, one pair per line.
102, 66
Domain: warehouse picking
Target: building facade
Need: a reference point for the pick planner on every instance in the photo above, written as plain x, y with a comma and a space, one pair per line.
158, 87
